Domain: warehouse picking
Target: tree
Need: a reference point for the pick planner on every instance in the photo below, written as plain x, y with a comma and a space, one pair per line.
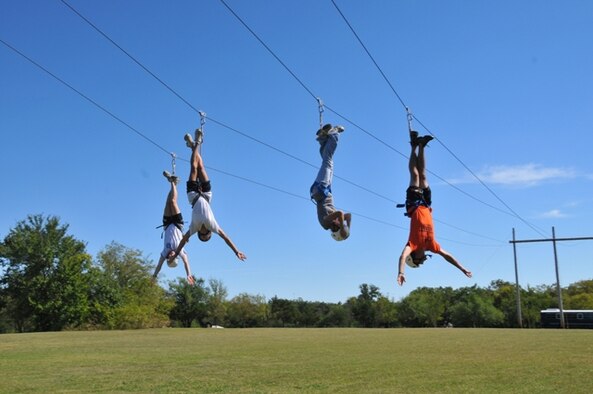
216, 313
247, 310
363, 306
423, 307
125, 281
579, 295
505, 300
44, 275
386, 313
191, 302
283, 312
475, 308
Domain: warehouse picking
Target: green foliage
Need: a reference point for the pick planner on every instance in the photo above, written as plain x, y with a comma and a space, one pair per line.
423, 307
49, 282
216, 305
190, 302
475, 308
579, 295
44, 276
247, 310
125, 295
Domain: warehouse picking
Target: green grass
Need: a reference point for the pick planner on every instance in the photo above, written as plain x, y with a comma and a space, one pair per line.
299, 360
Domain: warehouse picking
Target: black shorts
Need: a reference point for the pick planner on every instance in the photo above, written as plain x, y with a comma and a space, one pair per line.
175, 219
416, 196
196, 186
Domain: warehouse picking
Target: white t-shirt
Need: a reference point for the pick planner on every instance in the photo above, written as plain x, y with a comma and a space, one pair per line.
202, 213
172, 238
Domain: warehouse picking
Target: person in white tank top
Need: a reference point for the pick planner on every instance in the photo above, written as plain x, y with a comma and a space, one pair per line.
199, 194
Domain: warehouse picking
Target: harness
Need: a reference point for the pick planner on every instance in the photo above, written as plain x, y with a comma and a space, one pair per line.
411, 205
171, 220
196, 198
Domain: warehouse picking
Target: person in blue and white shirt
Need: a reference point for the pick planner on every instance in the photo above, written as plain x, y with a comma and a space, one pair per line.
173, 231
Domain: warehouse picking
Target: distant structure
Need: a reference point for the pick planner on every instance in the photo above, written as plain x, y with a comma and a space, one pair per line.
573, 318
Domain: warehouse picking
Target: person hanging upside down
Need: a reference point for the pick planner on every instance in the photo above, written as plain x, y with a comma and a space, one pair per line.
173, 231
338, 222
418, 208
199, 194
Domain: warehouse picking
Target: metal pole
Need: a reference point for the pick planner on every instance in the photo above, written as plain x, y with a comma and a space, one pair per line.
558, 289
519, 316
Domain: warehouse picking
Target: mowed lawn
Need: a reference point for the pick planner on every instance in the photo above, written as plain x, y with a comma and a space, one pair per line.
299, 360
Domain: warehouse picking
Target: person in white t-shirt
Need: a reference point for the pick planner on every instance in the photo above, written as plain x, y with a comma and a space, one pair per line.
173, 231
199, 194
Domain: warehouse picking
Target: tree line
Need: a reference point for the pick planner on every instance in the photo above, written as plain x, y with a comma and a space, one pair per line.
49, 283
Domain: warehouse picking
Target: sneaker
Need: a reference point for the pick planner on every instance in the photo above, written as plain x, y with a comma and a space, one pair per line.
170, 178
425, 139
322, 132
199, 136
413, 137
339, 129
189, 141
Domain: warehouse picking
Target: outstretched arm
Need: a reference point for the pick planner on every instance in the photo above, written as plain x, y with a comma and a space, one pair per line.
231, 245
348, 218
182, 243
190, 277
329, 219
402, 264
449, 257
158, 267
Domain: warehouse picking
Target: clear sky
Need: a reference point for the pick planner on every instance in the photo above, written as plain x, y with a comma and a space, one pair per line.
505, 86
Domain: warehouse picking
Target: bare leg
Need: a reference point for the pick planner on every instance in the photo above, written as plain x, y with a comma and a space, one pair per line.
421, 167
171, 207
413, 168
197, 171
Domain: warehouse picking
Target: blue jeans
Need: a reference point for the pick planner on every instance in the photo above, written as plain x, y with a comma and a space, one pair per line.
323, 182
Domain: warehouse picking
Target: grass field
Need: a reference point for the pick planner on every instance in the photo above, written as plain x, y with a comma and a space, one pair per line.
299, 360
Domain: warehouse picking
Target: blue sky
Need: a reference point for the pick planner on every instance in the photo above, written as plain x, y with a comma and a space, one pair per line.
505, 86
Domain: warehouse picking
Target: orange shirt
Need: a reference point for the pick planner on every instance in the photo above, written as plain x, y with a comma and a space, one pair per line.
422, 230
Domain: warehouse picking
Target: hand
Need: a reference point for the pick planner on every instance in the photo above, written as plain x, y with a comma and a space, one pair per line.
401, 278
241, 256
467, 273
191, 280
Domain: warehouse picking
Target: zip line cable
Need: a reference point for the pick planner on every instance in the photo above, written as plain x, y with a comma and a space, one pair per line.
302, 161
158, 146
130, 56
255, 139
84, 96
441, 142
515, 214
427, 170
168, 87
354, 124
268, 48
370, 56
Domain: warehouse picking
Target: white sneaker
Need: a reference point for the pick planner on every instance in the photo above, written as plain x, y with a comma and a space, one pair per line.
322, 132
199, 136
170, 178
189, 141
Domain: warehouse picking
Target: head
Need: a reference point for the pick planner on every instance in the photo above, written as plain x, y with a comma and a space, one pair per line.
338, 233
204, 234
417, 258
171, 264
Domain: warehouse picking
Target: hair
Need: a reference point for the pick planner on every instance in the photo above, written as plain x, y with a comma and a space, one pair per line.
205, 237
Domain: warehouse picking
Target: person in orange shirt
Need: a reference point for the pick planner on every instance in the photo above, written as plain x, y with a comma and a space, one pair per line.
418, 202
